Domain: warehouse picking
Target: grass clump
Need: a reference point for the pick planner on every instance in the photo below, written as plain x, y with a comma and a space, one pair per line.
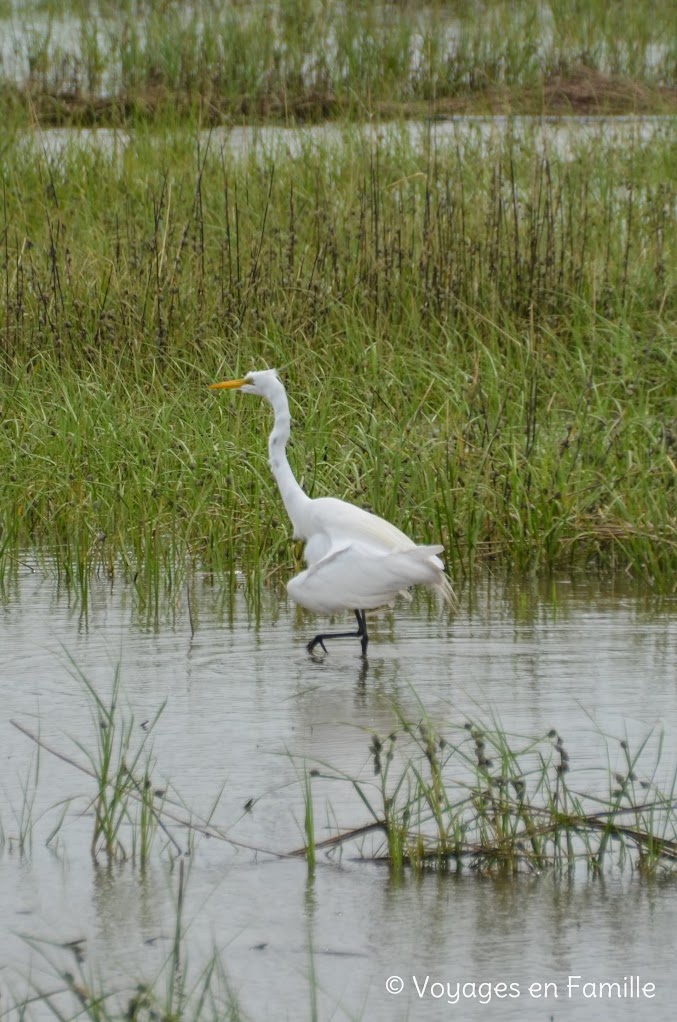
125, 791
500, 803
127, 805
312, 59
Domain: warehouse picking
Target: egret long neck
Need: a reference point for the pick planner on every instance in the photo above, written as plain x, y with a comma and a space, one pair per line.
295, 500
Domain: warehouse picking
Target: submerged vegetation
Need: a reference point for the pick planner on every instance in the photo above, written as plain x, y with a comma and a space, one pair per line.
450, 795
74, 62
477, 335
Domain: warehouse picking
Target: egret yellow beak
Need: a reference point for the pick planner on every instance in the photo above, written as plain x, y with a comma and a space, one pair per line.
228, 385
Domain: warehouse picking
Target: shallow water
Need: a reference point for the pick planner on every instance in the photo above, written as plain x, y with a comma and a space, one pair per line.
245, 706
564, 137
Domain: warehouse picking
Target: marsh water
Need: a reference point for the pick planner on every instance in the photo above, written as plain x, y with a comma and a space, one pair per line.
243, 709
564, 136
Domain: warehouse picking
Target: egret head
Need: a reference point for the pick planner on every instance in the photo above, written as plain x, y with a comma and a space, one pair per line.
265, 383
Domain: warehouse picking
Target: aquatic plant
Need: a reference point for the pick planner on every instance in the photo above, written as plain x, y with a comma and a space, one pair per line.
443, 795
309, 822
473, 796
21, 837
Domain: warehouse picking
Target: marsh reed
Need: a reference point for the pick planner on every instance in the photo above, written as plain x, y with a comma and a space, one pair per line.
478, 339
312, 59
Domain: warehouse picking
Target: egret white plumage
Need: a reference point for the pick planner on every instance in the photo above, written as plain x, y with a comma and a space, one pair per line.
356, 560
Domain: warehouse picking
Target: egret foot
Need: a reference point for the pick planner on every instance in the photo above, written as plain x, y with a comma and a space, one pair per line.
360, 634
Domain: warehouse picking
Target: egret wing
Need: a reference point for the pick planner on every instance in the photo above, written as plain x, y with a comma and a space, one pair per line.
346, 524
354, 576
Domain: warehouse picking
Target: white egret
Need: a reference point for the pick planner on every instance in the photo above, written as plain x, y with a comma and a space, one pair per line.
356, 560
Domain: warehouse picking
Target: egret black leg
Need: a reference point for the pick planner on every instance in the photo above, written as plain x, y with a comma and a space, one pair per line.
362, 630
360, 634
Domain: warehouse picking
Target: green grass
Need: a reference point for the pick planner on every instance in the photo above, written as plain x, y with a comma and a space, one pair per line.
126, 799
472, 796
303, 59
478, 341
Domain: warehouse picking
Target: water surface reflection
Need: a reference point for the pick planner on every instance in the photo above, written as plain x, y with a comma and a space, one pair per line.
244, 706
